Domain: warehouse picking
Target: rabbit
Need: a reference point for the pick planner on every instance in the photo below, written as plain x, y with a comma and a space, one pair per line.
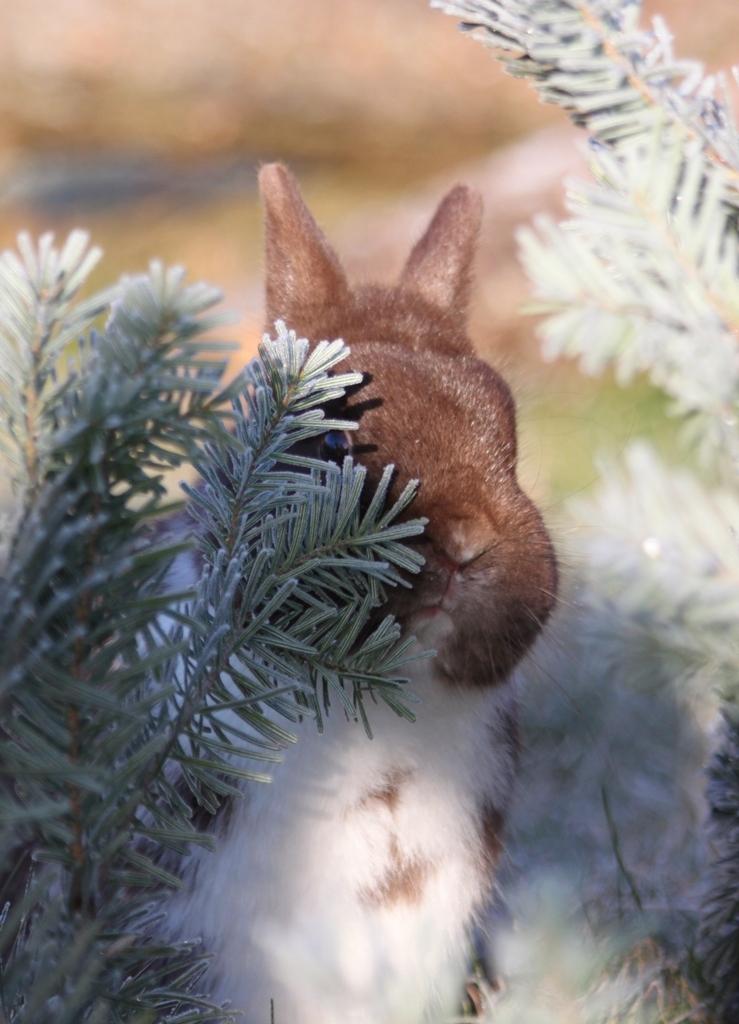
344, 891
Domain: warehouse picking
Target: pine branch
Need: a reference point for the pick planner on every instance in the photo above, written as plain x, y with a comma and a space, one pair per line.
649, 260
115, 691
311, 555
660, 588
647, 267
139, 398
616, 80
39, 287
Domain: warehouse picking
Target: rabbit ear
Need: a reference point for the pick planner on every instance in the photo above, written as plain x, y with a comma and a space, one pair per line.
439, 266
303, 273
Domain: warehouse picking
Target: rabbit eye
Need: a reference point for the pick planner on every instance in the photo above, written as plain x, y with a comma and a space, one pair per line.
335, 445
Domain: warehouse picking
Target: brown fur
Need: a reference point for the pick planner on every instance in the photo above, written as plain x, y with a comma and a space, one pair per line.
387, 795
402, 883
437, 412
491, 834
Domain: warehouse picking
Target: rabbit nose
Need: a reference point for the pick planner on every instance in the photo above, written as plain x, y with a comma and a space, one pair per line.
446, 562
456, 560
462, 542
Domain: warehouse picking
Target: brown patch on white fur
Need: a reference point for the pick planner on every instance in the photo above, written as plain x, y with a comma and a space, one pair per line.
436, 411
404, 879
388, 794
403, 882
492, 822
492, 817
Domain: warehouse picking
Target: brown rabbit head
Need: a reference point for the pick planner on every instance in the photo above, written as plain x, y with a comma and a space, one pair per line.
439, 414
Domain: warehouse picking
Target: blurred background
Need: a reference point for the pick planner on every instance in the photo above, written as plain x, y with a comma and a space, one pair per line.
145, 122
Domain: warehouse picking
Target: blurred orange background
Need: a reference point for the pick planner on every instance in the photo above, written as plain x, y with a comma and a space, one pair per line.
145, 121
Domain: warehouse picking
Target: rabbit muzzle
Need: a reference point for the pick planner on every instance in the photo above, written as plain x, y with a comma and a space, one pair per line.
481, 604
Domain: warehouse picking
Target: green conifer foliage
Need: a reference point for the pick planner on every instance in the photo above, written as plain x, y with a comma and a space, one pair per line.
113, 688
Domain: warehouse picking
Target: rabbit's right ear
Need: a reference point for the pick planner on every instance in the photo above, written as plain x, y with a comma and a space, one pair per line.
303, 273
439, 267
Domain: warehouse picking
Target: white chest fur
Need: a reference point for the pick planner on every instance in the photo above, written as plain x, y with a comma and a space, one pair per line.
343, 889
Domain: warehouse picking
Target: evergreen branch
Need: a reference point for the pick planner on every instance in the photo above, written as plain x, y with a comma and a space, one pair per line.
117, 693
37, 292
646, 265
617, 81
305, 559
648, 260
75, 618
661, 592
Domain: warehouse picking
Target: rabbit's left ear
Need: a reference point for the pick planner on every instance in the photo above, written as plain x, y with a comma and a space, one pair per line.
439, 267
303, 272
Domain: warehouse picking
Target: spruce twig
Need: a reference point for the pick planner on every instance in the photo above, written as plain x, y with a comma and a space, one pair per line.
116, 690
